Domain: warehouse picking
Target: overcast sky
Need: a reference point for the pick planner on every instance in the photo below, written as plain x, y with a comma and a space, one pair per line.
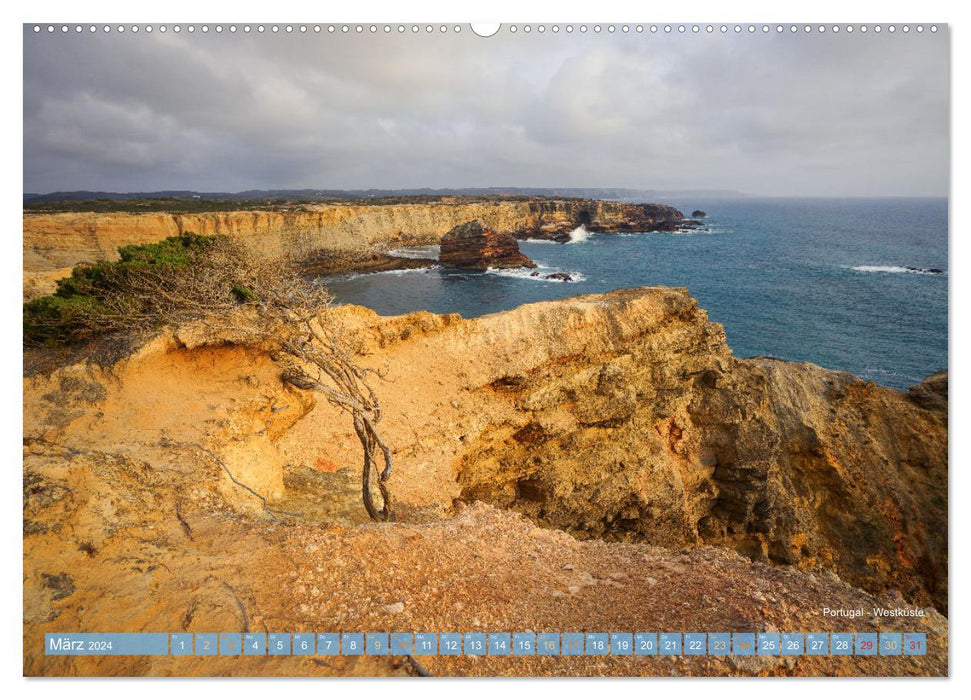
772, 115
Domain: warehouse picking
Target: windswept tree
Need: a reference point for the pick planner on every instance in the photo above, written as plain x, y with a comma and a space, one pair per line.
261, 301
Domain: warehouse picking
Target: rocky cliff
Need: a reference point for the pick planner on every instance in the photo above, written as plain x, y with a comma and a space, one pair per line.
54, 243
187, 484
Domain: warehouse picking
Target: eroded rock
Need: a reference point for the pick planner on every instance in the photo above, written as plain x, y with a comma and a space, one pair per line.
471, 246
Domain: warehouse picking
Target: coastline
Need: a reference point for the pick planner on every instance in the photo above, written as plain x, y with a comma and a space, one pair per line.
58, 241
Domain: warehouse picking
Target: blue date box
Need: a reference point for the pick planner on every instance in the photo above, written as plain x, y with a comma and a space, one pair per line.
230, 644
891, 643
695, 643
719, 643
377, 643
769, 644
792, 644
352, 644
328, 644
841, 643
645, 643
254, 644
500, 644
915, 643
866, 643
817, 644
279, 644
450, 644
669, 644
401, 643
621, 643
207, 644
426, 643
475, 644
571, 644
743, 644
181, 644
598, 643
303, 644
523, 644
548, 644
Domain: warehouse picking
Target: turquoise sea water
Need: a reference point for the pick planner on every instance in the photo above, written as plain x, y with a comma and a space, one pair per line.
817, 280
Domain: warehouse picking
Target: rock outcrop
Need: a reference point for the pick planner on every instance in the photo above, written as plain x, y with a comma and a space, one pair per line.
664, 483
698, 214
599, 217
471, 246
338, 262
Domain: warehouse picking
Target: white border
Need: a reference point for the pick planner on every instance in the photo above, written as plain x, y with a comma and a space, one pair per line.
742, 11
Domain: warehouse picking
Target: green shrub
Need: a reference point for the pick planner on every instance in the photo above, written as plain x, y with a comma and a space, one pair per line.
58, 320
242, 293
176, 250
107, 296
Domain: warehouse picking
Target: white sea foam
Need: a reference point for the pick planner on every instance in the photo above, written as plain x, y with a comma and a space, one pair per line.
881, 375
540, 240
691, 231
579, 234
530, 274
707, 231
406, 271
896, 269
417, 252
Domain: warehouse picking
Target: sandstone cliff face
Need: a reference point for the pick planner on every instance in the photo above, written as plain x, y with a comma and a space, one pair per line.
168, 479
782, 463
473, 247
625, 416
60, 241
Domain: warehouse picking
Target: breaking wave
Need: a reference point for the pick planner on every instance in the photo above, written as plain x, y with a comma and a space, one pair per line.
897, 269
540, 274
416, 252
705, 231
579, 234
692, 231
405, 271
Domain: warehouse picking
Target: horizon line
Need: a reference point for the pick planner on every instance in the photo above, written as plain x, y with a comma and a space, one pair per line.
492, 189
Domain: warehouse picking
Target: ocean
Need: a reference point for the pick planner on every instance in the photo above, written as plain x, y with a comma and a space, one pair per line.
850, 284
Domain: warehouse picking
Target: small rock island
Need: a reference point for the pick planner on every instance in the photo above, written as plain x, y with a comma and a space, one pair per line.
472, 246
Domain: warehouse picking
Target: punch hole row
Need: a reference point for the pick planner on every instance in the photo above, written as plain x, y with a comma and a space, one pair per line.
512, 29
723, 28
248, 29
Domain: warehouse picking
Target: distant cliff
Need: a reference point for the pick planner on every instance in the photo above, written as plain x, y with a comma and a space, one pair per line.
57, 242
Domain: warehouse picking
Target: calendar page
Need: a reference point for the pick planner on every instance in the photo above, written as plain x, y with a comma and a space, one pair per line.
543, 349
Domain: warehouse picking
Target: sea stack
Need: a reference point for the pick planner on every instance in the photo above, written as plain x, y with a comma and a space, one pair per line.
471, 246
698, 214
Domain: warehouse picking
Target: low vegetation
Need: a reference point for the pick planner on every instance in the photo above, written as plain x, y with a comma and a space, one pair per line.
168, 205
142, 289
180, 205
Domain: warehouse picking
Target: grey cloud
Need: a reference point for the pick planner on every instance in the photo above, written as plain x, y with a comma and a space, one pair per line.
776, 115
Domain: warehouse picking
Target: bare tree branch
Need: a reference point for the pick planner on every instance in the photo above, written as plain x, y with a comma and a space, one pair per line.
264, 303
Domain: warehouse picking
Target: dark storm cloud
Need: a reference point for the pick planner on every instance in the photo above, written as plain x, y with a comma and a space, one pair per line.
812, 115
